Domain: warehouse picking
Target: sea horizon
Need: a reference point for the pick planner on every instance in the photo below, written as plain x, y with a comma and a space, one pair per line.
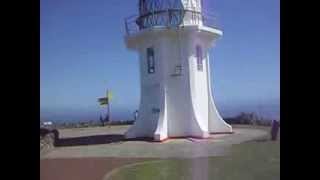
267, 111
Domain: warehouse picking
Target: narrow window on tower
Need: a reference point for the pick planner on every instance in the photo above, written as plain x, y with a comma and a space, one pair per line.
199, 58
150, 60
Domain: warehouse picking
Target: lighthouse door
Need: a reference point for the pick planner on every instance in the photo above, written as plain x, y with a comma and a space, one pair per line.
153, 104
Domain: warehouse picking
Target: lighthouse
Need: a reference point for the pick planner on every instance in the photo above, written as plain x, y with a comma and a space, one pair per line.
173, 39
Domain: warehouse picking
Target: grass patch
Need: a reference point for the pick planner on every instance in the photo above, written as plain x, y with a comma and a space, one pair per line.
247, 161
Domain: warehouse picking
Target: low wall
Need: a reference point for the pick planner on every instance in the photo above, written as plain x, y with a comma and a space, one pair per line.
48, 139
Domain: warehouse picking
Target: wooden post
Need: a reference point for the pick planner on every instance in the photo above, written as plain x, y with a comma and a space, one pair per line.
274, 130
108, 105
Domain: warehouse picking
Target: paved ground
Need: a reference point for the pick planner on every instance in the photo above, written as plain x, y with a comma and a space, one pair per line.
109, 142
91, 153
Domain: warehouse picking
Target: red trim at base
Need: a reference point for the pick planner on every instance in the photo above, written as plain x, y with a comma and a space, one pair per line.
223, 133
182, 137
149, 139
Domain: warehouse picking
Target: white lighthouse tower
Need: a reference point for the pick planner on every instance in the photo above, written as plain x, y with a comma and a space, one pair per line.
173, 38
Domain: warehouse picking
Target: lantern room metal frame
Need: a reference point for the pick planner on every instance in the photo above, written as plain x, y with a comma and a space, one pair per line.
170, 14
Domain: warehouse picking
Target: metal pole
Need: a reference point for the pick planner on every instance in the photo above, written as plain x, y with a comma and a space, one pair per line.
108, 105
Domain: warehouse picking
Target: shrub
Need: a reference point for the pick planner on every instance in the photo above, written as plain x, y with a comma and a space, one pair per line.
249, 119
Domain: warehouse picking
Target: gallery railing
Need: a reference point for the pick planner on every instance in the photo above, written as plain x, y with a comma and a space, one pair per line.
168, 18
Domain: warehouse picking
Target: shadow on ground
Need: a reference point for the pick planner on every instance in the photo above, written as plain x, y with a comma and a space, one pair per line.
96, 140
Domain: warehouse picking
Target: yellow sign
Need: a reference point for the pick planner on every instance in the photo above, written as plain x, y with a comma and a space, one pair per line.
109, 95
103, 101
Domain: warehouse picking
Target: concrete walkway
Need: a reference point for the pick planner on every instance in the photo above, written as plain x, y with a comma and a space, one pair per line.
109, 142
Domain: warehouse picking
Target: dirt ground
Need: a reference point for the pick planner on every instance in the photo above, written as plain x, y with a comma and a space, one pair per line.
81, 168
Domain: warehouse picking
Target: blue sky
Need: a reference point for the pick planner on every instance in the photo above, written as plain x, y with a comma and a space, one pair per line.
83, 53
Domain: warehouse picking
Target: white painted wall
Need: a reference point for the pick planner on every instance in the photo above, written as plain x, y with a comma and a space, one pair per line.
216, 123
185, 101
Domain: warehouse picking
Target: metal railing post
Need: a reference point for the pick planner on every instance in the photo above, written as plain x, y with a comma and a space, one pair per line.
155, 18
126, 25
